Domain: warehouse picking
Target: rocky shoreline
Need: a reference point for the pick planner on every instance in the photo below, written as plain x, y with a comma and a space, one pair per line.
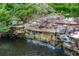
51, 29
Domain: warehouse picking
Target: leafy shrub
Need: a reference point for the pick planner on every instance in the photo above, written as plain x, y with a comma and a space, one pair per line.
67, 9
4, 27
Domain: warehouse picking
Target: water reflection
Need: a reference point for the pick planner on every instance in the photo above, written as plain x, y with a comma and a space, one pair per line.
19, 47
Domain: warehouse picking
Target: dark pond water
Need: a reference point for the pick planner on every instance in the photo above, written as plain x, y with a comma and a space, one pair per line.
19, 47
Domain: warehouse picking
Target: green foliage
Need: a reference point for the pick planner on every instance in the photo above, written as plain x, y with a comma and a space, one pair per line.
3, 13
67, 9
4, 27
19, 10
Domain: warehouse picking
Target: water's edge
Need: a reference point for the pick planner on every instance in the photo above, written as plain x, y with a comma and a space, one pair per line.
27, 47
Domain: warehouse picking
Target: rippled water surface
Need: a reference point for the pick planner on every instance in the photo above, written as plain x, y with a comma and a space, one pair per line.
19, 47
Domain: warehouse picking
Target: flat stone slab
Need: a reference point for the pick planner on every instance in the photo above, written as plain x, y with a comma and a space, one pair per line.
74, 35
53, 30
